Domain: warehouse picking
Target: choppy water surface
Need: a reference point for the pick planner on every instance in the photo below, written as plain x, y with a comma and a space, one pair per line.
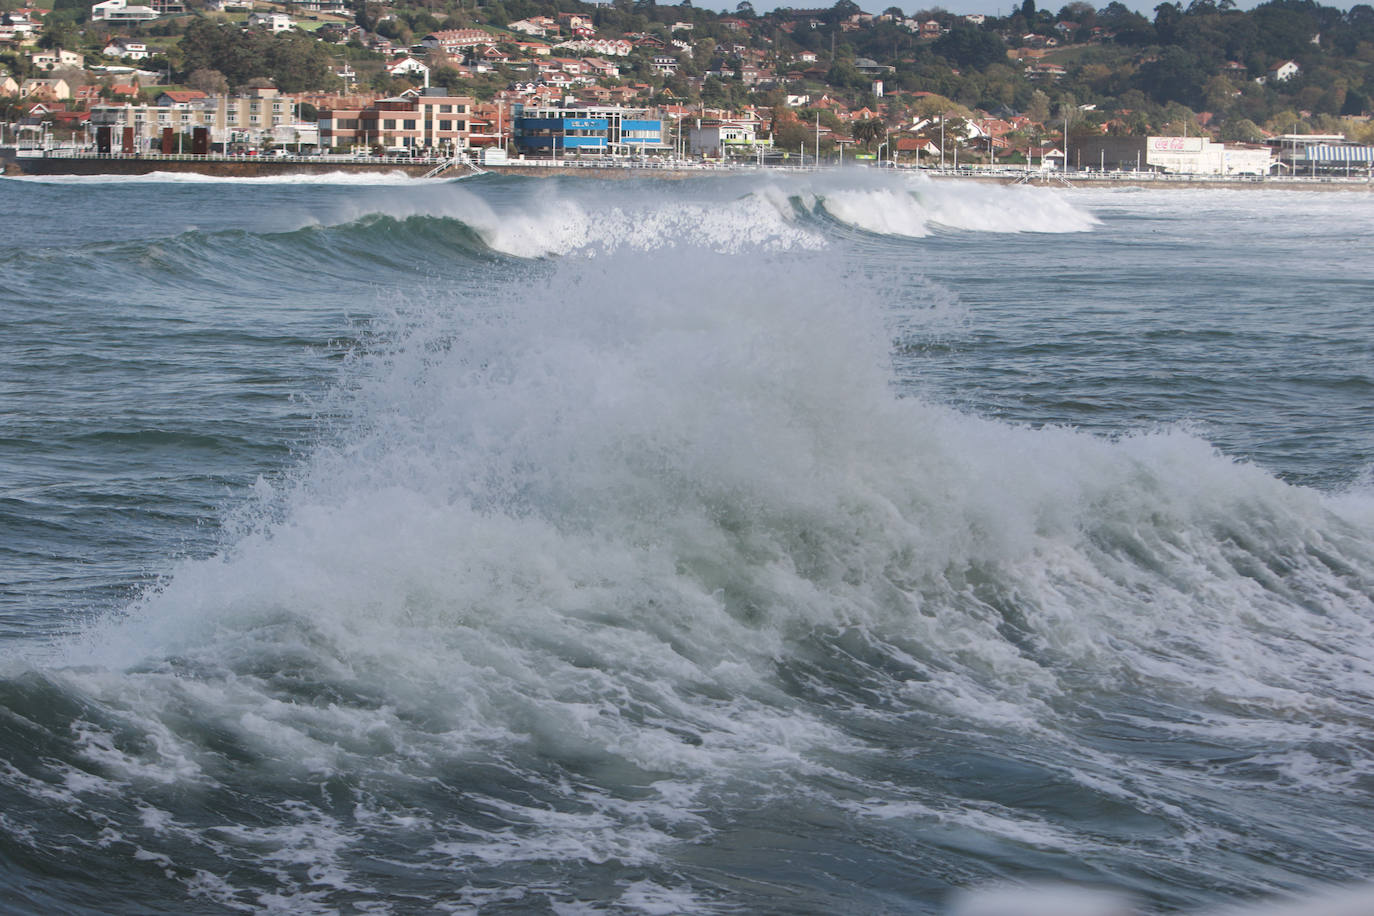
792, 545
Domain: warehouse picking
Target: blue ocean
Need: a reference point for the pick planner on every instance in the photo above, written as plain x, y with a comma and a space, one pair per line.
844, 542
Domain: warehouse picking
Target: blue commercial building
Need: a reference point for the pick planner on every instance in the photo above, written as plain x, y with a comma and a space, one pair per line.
610, 130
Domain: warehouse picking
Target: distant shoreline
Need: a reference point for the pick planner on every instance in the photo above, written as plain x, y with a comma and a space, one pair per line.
63, 163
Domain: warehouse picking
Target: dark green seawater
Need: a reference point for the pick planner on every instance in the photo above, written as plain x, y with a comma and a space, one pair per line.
836, 544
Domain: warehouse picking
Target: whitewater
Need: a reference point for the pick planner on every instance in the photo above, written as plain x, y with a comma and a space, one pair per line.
831, 543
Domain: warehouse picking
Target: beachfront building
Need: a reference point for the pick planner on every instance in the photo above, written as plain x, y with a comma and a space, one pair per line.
429, 119
1321, 154
607, 130
1335, 159
717, 138
250, 120
1172, 155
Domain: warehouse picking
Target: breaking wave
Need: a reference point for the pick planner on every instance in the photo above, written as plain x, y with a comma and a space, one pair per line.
613, 577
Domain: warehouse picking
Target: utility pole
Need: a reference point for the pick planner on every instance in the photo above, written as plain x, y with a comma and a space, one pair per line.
1066, 141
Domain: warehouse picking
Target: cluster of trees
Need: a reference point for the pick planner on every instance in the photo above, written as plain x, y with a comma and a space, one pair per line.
294, 61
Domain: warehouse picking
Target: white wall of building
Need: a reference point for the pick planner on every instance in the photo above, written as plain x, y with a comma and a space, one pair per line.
1200, 156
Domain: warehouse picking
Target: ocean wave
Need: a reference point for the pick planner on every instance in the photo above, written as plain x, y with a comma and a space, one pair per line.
676, 487
605, 557
915, 208
558, 217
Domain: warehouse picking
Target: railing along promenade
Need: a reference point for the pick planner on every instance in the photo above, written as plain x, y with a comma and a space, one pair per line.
650, 164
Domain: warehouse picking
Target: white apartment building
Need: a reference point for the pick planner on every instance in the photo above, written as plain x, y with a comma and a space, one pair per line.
121, 11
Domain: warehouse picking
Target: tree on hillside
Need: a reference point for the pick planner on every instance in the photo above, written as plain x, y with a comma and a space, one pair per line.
968, 47
1129, 27
210, 82
1168, 17
934, 106
295, 60
867, 131
1241, 130
1174, 76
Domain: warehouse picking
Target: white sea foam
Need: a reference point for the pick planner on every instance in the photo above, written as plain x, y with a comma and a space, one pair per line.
543, 218
596, 481
915, 208
370, 178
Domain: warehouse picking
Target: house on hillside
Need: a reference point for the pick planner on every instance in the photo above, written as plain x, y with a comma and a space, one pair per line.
51, 60
271, 22
126, 49
55, 90
19, 26
1042, 70
456, 41
408, 66
536, 26
1283, 71
121, 11
576, 25
600, 67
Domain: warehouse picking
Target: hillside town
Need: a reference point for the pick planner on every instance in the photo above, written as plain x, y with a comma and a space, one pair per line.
1202, 89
